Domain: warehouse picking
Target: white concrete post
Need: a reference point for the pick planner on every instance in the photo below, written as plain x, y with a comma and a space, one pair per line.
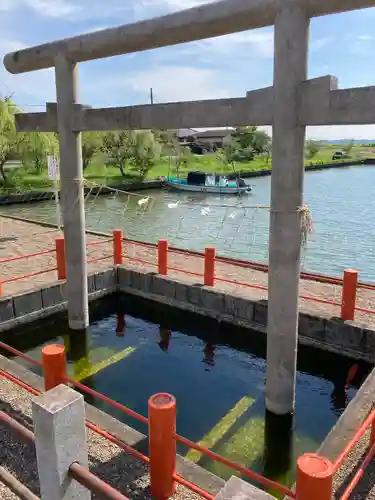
72, 194
60, 440
290, 70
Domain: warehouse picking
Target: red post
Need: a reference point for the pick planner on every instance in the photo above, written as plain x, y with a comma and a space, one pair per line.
349, 291
162, 445
54, 365
314, 478
118, 247
163, 257
60, 258
209, 266
1, 288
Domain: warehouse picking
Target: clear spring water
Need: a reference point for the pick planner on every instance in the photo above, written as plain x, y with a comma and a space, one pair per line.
217, 374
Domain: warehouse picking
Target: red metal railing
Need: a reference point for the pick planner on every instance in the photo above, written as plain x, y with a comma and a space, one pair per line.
305, 472
214, 456
349, 284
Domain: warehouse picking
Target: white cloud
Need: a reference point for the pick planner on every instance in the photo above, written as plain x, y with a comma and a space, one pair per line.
7, 4
178, 83
365, 38
320, 43
258, 42
54, 8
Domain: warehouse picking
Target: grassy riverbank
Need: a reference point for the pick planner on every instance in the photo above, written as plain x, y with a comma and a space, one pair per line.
98, 172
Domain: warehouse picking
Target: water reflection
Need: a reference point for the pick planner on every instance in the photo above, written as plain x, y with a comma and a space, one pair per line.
165, 338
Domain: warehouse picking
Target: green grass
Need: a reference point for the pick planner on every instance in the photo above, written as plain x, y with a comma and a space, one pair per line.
100, 173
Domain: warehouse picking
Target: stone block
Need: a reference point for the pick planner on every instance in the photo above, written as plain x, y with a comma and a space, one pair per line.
311, 326
261, 313
124, 276
369, 339
52, 296
144, 282
212, 300
6, 310
238, 307
238, 489
60, 440
91, 283
195, 295
161, 285
344, 334
182, 291
27, 303
105, 279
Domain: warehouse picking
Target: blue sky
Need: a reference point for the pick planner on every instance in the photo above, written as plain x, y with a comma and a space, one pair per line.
341, 45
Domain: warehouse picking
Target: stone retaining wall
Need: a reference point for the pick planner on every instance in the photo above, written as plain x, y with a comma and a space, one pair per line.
330, 334
50, 299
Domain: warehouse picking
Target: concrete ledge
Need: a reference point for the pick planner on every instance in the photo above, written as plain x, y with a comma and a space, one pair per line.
355, 414
128, 435
238, 489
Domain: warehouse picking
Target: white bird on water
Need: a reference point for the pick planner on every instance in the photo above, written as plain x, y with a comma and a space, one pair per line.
173, 205
205, 211
143, 201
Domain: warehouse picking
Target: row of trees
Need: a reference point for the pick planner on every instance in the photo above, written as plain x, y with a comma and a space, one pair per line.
312, 148
135, 151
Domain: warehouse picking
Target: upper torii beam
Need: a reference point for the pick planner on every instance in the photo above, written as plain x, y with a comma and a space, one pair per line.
207, 21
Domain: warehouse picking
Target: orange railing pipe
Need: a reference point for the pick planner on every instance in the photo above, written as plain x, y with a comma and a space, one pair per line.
163, 257
60, 258
314, 480
118, 247
54, 365
162, 445
209, 266
349, 292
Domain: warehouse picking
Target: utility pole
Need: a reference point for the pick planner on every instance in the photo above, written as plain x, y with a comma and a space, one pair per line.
151, 96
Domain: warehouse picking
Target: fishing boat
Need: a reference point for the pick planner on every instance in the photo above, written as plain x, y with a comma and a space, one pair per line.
201, 182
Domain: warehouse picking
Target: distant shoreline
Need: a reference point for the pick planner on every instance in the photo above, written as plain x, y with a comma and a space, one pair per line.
34, 196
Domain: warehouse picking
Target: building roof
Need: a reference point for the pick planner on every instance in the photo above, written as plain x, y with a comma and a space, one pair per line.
186, 132
219, 133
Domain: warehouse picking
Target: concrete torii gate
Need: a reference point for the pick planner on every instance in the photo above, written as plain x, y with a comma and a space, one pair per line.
290, 105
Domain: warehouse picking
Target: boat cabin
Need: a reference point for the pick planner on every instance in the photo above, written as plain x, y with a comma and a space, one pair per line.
202, 179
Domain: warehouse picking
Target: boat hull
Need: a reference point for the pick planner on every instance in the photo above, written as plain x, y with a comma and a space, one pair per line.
209, 189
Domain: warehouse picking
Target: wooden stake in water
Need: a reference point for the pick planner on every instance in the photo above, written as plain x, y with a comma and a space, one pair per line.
54, 175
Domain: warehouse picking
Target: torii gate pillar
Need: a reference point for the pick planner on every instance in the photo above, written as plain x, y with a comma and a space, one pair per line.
72, 194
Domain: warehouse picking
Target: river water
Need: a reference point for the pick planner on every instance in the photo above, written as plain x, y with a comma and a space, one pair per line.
341, 201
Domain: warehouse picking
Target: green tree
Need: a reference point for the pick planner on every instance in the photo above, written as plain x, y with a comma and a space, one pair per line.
11, 143
145, 152
36, 147
119, 147
251, 138
312, 148
91, 144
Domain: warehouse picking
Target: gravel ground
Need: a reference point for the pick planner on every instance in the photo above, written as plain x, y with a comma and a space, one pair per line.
122, 471
19, 238
366, 486
107, 461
